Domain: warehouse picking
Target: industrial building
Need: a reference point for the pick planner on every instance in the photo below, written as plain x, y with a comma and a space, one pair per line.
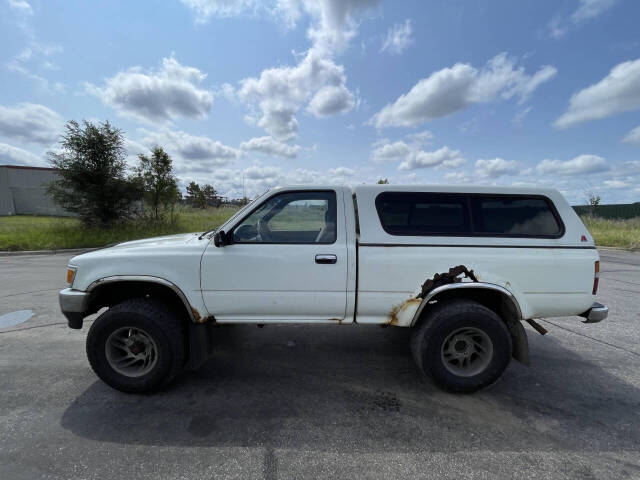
23, 191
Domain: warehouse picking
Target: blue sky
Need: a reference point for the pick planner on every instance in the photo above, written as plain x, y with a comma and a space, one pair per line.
337, 91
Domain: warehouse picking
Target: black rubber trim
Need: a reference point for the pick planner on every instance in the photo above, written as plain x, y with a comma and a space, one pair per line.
558, 247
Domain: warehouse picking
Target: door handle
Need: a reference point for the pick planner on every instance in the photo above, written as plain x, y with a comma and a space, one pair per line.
326, 258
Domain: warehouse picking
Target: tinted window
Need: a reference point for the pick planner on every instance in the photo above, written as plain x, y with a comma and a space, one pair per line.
300, 217
517, 216
422, 213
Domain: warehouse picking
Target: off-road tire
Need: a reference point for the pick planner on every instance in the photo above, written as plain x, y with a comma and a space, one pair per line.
156, 320
443, 320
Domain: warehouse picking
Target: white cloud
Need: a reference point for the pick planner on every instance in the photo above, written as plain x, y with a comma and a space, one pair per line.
281, 91
411, 156
444, 157
633, 136
455, 88
617, 184
271, 146
590, 9
496, 167
390, 152
618, 92
559, 25
330, 100
21, 6
342, 172
278, 93
579, 165
30, 122
205, 9
162, 95
11, 155
191, 147
398, 38
422, 138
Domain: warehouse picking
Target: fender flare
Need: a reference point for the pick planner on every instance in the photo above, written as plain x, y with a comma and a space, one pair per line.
451, 286
148, 279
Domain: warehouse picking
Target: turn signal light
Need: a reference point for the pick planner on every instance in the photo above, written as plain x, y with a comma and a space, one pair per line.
71, 273
596, 277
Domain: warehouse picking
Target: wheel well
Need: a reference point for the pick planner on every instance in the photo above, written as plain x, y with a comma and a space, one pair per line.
492, 299
111, 294
198, 337
496, 301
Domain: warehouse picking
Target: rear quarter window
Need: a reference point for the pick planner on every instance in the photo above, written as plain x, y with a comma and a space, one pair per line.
514, 216
424, 213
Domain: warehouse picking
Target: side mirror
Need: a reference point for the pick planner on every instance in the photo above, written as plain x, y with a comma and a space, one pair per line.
219, 239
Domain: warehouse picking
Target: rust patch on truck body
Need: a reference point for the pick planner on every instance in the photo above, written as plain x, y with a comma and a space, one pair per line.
402, 308
399, 314
452, 276
200, 319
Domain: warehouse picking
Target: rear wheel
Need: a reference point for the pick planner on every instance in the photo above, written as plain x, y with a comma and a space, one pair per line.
136, 346
462, 346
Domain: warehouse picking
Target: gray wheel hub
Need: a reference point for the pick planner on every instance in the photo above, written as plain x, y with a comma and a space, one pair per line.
131, 351
466, 352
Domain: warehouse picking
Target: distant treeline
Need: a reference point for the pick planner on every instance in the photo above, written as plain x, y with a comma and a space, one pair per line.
613, 211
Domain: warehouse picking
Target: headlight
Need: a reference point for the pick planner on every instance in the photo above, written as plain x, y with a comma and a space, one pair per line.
71, 274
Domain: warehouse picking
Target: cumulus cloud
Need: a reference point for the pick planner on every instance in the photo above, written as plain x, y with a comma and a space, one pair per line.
11, 155
191, 147
618, 92
412, 157
444, 157
454, 88
389, 152
422, 138
330, 100
398, 38
579, 165
278, 93
30, 122
496, 167
633, 136
157, 95
281, 91
271, 146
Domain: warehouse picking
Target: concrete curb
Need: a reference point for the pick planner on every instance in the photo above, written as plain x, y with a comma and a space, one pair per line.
67, 251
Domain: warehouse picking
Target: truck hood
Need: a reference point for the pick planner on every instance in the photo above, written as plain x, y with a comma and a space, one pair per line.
167, 240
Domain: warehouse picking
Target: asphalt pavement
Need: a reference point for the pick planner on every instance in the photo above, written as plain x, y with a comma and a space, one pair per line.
318, 401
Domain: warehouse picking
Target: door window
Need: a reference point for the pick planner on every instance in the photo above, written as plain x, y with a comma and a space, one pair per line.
294, 217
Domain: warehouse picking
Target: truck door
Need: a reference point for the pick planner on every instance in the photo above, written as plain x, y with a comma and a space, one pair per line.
286, 261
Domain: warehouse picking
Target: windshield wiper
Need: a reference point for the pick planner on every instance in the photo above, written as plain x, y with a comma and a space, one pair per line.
202, 235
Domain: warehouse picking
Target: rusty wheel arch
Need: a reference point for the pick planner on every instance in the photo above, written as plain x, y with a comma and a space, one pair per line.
449, 285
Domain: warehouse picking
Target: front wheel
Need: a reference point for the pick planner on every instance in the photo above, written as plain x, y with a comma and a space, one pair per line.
136, 346
462, 345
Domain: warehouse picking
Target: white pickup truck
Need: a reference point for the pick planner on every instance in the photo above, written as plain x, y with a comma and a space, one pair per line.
461, 266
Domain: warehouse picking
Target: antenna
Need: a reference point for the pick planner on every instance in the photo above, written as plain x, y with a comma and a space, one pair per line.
243, 192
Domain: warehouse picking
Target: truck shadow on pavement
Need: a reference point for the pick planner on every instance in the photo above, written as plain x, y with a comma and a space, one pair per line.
356, 389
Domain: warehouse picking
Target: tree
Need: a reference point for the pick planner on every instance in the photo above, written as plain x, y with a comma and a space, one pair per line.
92, 173
383, 181
210, 195
195, 196
155, 174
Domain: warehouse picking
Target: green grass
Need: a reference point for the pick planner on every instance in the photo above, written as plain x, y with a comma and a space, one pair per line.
53, 233
614, 233
44, 233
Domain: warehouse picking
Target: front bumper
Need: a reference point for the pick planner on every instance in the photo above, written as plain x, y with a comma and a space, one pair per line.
74, 305
596, 313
